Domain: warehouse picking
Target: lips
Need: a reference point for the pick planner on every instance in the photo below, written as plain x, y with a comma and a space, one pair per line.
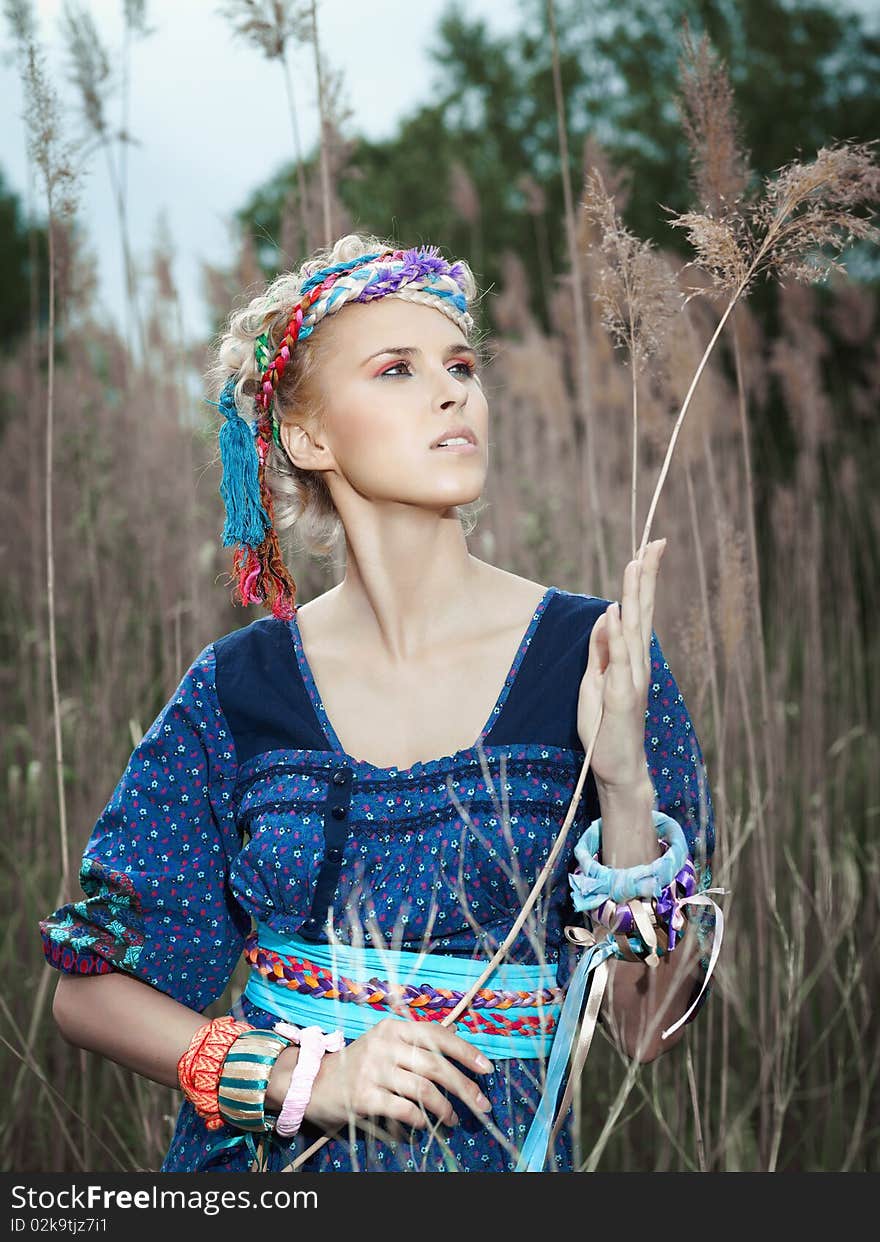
455, 433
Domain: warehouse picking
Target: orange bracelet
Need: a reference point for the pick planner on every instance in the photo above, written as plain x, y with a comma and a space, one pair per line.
200, 1067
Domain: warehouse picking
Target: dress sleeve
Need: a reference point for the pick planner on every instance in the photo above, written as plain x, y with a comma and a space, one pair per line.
676, 764
681, 787
155, 870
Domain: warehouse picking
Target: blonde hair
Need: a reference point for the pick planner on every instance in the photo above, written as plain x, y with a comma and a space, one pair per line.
304, 514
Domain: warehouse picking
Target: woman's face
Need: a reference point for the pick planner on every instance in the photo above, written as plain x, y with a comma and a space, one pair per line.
393, 376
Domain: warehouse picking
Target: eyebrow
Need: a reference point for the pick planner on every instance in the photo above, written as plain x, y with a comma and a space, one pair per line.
410, 351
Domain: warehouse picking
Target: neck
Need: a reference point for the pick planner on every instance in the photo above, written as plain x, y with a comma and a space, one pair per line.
410, 581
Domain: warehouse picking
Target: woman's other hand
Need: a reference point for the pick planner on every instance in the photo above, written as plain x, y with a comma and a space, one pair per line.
395, 1070
619, 664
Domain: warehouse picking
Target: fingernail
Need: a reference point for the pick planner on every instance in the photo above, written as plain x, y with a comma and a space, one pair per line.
483, 1064
483, 1104
454, 1121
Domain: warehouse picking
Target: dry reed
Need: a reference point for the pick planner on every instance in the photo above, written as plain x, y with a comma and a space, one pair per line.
782, 1067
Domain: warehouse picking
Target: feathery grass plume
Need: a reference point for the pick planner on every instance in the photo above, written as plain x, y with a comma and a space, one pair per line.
90, 65
272, 26
637, 294
719, 163
92, 74
805, 211
57, 158
19, 15
809, 209
135, 14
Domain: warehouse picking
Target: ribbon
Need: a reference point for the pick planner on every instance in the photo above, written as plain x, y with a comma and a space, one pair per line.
257, 1164
534, 1149
595, 960
701, 899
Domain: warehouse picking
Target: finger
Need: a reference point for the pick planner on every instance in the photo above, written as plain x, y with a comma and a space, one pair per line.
434, 1066
425, 1094
598, 656
653, 556
632, 619
619, 671
437, 1038
399, 1109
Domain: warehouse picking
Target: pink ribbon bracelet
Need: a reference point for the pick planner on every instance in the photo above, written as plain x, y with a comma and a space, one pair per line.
313, 1043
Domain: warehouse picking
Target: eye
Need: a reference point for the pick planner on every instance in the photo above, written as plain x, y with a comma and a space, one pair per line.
394, 370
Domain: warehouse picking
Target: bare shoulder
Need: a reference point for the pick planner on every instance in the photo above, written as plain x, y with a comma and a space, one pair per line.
505, 599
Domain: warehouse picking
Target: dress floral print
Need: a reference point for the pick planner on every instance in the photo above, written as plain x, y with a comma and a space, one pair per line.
240, 806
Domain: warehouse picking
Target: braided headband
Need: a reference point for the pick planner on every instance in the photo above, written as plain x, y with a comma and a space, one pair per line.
262, 576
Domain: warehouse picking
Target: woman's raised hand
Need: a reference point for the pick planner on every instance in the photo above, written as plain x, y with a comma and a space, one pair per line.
395, 1070
619, 663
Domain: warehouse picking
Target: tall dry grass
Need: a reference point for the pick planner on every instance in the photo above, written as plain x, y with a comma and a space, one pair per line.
765, 610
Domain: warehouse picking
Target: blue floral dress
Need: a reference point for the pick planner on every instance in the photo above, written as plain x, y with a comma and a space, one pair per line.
240, 805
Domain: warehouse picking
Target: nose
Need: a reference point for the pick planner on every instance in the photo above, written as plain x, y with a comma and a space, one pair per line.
451, 391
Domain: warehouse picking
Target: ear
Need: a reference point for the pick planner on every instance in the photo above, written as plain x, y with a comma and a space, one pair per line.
303, 449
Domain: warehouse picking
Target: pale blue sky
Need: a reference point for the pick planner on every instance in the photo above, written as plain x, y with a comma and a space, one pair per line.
211, 113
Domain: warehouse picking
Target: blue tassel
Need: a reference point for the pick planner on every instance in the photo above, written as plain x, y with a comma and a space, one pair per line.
246, 519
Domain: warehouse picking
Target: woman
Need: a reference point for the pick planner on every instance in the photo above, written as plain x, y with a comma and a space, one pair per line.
376, 777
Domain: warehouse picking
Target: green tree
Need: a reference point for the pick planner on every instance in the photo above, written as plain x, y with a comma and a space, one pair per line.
805, 73
22, 254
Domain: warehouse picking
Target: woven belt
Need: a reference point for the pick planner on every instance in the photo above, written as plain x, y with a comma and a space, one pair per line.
313, 985
320, 985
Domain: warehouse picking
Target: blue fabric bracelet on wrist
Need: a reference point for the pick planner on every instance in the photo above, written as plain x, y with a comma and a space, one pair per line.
593, 884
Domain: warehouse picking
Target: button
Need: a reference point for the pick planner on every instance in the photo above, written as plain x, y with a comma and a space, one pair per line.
334, 855
340, 776
338, 812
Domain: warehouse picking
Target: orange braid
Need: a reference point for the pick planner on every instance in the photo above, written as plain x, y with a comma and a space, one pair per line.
200, 1067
